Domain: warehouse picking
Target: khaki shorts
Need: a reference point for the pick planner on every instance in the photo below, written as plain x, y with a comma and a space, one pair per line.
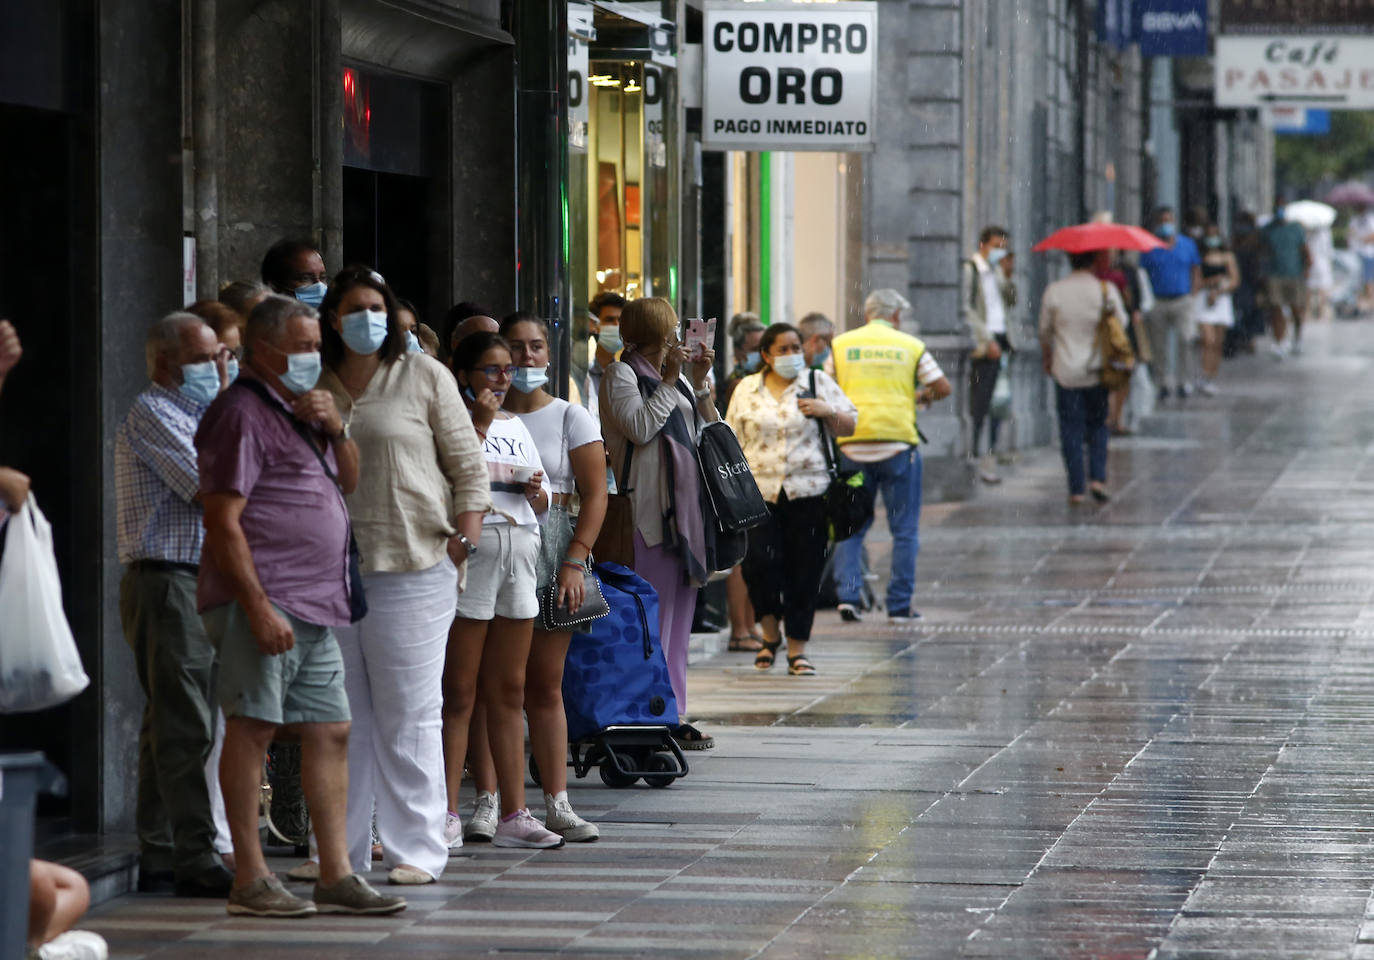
1286, 292
303, 685
502, 578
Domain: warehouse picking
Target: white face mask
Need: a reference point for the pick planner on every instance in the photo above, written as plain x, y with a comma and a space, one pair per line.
789, 366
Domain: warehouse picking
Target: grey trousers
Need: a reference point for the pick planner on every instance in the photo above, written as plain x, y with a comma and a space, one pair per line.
176, 668
1172, 317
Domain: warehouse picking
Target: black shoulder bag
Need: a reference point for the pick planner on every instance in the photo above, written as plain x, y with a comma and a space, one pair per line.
556, 619
357, 599
848, 500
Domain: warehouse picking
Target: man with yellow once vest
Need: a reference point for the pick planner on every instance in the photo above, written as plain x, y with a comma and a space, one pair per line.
886, 373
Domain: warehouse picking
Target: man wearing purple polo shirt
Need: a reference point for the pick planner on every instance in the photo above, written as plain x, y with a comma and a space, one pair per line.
275, 460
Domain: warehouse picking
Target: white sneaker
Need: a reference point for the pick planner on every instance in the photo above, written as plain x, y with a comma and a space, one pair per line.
1296, 349
1207, 388
563, 821
523, 831
486, 810
74, 945
453, 832
1278, 351
849, 613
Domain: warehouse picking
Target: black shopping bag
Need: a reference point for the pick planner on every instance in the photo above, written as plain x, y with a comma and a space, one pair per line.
729, 482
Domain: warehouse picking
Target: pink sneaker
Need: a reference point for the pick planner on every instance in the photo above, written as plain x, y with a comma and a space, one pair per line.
520, 829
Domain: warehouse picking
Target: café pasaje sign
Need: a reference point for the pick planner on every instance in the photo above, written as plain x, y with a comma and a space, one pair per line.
789, 76
1335, 72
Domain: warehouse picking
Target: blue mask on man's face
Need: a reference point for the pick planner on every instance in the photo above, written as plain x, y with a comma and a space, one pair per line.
312, 293
200, 381
996, 255
1167, 230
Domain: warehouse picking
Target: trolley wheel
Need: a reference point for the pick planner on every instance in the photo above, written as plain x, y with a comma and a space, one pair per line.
612, 777
660, 761
534, 772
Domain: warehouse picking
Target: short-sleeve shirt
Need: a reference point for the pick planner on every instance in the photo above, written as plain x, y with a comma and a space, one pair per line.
546, 427
1070, 311
295, 519
782, 445
1285, 240
1171, 268
508, 447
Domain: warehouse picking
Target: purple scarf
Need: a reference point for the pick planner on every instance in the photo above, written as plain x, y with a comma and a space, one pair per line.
680, 493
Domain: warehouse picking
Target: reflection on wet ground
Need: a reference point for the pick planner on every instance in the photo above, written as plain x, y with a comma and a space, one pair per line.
1143, 729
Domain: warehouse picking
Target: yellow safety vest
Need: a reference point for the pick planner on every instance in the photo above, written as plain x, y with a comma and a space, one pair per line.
875, 366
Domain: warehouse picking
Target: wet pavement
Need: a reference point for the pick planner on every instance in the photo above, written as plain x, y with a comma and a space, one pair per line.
1144, 729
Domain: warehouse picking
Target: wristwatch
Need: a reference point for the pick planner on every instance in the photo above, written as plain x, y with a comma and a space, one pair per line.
343, 434
471, 547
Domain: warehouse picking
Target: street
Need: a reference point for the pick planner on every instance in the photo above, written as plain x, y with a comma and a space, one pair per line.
1125, 731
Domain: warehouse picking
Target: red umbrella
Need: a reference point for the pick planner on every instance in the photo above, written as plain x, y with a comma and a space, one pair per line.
1099, 236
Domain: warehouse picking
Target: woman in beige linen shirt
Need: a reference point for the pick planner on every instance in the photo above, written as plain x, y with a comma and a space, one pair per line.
1070, 311
779, 421
422, 493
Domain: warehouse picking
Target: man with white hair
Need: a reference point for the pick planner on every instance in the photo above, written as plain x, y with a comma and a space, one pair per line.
160, 535
887, 373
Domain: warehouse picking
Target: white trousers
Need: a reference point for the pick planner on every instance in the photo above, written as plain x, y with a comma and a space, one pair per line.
223, 844
393, 672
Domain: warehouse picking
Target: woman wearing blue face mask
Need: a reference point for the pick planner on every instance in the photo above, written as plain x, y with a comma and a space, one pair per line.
779, 414
417, 513
574, 458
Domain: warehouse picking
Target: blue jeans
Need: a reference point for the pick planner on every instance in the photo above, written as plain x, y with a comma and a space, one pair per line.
898, 480
1083, 421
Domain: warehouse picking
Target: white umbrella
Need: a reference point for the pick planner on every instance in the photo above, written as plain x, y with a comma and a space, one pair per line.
1310, 214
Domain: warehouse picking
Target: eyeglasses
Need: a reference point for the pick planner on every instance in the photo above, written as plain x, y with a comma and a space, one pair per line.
494, 372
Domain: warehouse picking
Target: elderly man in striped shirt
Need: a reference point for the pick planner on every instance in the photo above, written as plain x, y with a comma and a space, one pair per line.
160, 534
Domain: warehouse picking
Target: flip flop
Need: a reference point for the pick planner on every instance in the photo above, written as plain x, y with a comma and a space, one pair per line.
689, 737
799, 666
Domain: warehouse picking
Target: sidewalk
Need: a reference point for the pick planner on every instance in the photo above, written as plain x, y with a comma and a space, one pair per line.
1138, 730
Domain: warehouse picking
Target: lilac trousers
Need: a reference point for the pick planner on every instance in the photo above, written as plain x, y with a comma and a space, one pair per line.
677, 602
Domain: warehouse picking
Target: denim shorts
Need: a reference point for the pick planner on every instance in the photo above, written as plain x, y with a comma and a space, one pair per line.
303, 685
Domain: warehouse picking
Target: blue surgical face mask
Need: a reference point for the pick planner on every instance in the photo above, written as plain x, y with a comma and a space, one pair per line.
529, 379
200, 382
1212, 243
312, 293
413, 343
822, 359
302, 372
232, 368
789, 366
609, 338
996, 255
363, 330
1166, 230
753, 360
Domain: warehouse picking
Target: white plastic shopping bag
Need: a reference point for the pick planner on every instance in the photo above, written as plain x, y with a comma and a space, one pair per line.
39, 665
1140, 402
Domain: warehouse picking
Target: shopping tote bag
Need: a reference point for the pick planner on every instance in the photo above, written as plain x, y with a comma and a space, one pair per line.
39, 665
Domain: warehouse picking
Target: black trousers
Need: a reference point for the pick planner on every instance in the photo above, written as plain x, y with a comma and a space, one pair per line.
982, 381
783, 566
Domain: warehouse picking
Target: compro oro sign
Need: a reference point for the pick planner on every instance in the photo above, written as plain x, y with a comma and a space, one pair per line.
789, 76
1335, 72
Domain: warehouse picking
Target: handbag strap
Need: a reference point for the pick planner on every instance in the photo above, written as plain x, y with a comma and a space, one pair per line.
253, 386
826, 442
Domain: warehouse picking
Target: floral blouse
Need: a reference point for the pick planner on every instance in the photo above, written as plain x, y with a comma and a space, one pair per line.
782, 445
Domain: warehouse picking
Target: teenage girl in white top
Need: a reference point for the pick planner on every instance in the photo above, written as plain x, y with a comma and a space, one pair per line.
570, 447
490, 639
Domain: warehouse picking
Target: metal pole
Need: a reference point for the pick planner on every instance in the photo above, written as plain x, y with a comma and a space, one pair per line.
542, 281
205, 146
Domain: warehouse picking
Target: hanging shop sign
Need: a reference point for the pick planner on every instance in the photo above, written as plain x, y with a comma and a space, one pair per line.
1333, 72
1172, 28
789, 76
1297, 16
